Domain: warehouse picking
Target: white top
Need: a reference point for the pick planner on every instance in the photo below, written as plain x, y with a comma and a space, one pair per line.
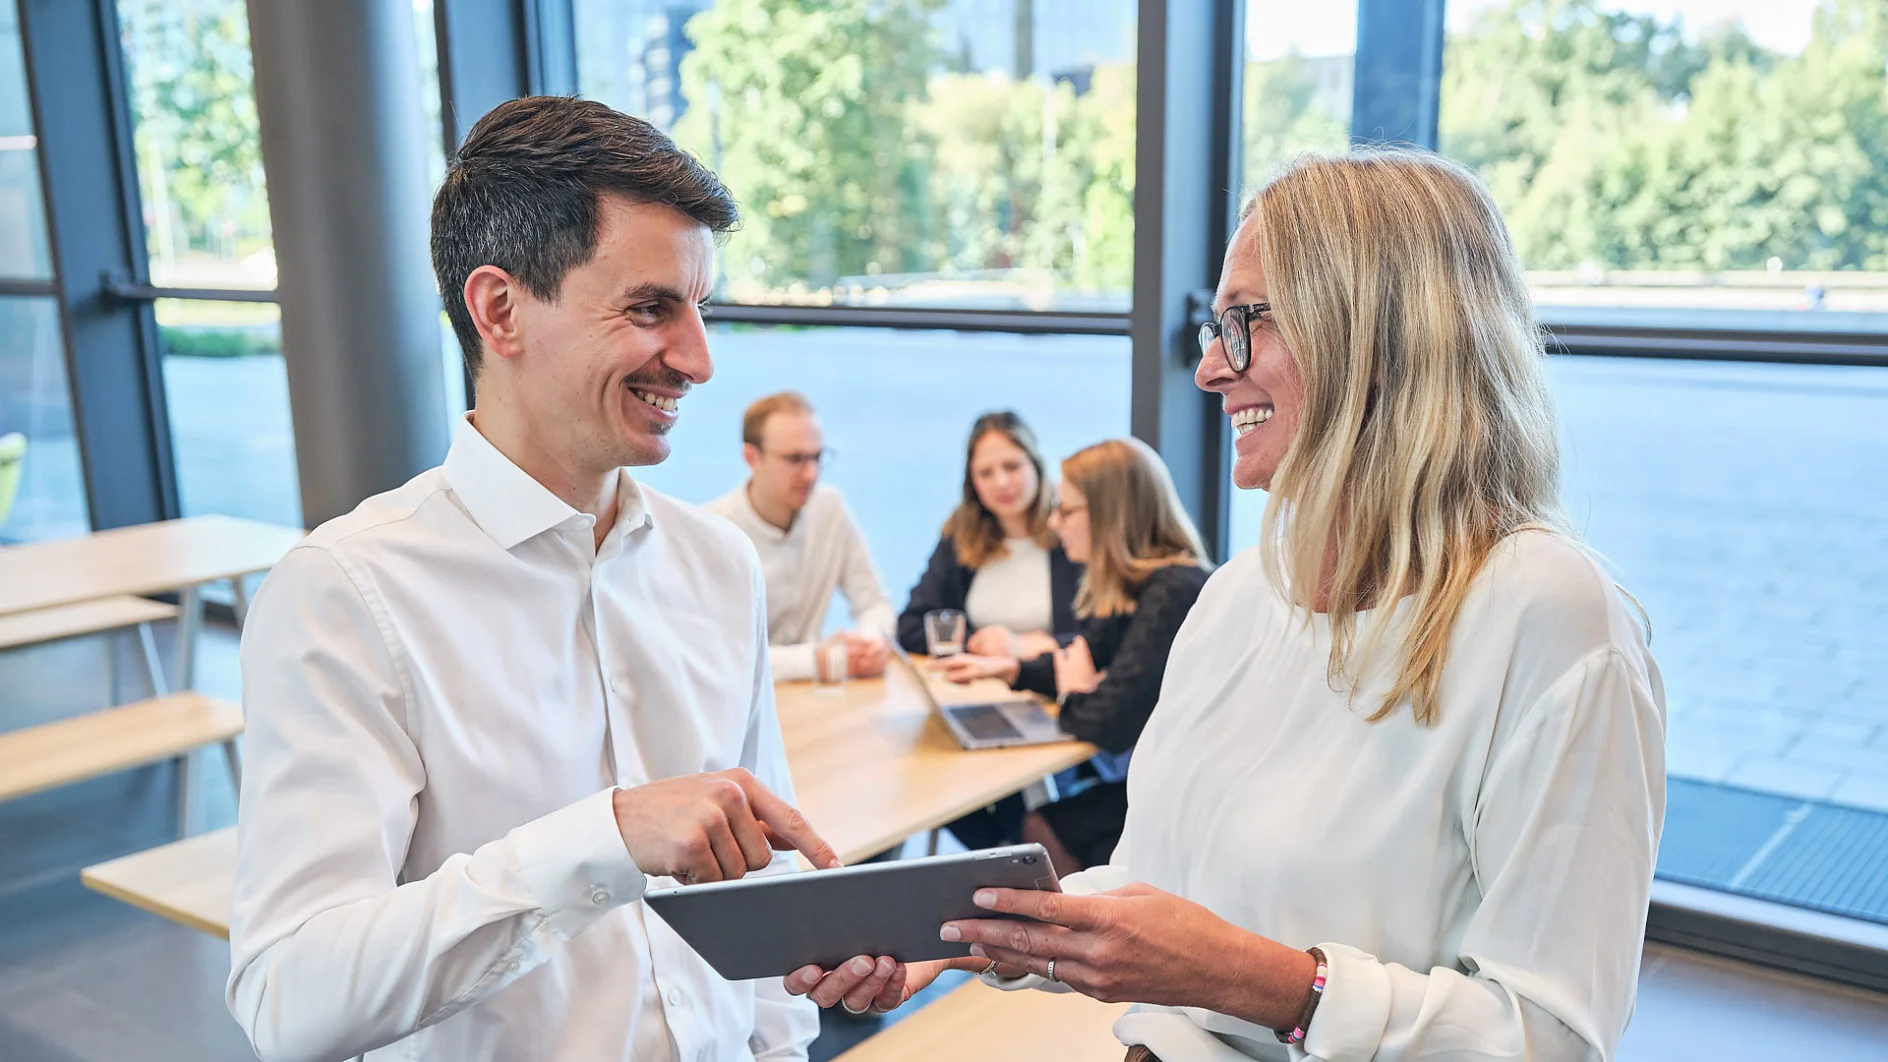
822, 552
1480, 887
1013, 590
442, 689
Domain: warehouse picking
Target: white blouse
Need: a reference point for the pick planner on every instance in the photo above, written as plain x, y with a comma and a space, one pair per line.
1013, 590
1479, 886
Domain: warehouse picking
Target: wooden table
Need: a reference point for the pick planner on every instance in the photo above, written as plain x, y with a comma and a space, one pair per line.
871, 766
180, 555
978, 1022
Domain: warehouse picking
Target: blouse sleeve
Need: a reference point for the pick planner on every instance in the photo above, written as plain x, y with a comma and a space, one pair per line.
934, 591
1113, 715
1563, 841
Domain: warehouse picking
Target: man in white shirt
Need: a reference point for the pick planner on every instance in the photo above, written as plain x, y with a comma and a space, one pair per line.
487, 708
808, 543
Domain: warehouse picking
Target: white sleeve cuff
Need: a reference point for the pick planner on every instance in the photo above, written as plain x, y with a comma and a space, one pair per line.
1351, 1017
1017, 984
576, 865
792, 663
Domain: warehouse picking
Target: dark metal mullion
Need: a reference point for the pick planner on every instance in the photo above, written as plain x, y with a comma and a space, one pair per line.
75, 78
1397, 85
29, 288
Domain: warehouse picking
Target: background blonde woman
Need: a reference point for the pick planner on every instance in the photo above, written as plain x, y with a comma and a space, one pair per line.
1417, 730
1120, 516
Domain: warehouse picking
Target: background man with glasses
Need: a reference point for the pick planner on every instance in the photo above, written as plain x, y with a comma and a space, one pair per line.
808, 542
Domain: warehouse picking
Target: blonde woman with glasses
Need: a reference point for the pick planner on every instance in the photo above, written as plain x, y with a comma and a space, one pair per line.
1120, 516
1402, 795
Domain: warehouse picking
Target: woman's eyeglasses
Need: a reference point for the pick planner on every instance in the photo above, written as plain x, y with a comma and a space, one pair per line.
1234, 328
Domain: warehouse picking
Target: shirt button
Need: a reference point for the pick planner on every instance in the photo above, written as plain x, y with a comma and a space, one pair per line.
512, 966
618, 686
675, 997
599, 896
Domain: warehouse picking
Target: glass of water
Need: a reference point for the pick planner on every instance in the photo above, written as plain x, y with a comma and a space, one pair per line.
944, 632
829, 672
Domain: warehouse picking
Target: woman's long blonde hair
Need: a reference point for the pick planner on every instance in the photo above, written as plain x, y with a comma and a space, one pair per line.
1427, 433
1136, 523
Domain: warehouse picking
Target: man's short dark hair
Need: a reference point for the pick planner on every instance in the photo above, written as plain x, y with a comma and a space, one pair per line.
522, 194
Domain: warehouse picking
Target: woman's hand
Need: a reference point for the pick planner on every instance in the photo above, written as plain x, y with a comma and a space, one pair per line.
994, 640
1075, 669
1034, 644
863, 984
1139, 944
965, 667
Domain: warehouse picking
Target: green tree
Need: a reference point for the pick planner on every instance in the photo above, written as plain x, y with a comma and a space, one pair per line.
802, 109
197, 136
1283, 116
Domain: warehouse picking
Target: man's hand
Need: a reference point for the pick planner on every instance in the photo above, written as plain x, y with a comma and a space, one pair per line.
712, 827
866, 654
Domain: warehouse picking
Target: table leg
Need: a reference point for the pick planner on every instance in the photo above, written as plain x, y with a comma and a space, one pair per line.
189, 622
186, 797
239, 593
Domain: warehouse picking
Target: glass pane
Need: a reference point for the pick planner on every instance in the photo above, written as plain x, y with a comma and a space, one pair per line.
199, 156
896, 407
1743, 505
896, 152
23, 251
42, 485
1300, 69
1682, 155
231, 437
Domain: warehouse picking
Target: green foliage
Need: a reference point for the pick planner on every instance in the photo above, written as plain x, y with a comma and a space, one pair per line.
851, 157
197, 135
1608, 139
195, 341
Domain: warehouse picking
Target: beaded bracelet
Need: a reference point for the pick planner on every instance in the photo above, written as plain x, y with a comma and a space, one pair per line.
1303, 1028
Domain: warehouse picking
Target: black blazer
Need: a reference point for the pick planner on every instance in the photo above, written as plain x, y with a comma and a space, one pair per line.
1132, 649
946, 584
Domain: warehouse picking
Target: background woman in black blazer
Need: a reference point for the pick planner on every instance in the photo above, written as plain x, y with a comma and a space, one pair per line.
1119, 515
999, 562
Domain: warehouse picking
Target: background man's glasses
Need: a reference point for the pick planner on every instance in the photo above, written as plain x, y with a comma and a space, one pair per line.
805, 460
1234, 327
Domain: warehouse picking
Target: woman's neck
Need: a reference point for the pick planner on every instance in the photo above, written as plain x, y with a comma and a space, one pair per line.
1015, 526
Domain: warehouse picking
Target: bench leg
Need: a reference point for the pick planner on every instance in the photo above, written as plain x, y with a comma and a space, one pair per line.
153, 664
109, 643
186, 795
235, 761
189, 622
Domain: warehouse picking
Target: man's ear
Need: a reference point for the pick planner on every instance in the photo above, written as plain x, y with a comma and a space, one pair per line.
494, 299
751, 454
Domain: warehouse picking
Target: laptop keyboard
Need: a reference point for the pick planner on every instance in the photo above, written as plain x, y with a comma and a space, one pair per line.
983, 722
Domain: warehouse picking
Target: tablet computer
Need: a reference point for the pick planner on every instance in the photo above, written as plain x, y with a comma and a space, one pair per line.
771, 926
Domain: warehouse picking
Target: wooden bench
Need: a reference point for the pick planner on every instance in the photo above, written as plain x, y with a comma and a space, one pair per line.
977, 1021
106, 615
186, 881
50, 755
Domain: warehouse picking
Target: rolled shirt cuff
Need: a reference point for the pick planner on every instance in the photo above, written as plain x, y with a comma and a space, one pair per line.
792, 663
575, 864
1349, 1023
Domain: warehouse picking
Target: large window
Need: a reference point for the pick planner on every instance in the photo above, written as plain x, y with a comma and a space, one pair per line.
229, 413
897, 408
41, 486
1683, 155
1300, 73
975, 153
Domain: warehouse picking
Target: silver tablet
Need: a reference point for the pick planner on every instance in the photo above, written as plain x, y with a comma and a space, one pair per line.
772, 926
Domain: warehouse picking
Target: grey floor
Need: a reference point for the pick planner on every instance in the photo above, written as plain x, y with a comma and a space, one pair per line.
87, 979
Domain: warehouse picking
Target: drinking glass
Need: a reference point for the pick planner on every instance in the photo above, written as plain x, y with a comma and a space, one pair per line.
829, 677
944, 632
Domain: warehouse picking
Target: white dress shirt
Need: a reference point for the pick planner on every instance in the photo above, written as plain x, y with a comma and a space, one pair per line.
442, 690
822, 552
1479, 886
1014, 590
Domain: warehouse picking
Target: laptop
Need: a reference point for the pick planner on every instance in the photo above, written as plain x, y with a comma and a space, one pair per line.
991, 725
